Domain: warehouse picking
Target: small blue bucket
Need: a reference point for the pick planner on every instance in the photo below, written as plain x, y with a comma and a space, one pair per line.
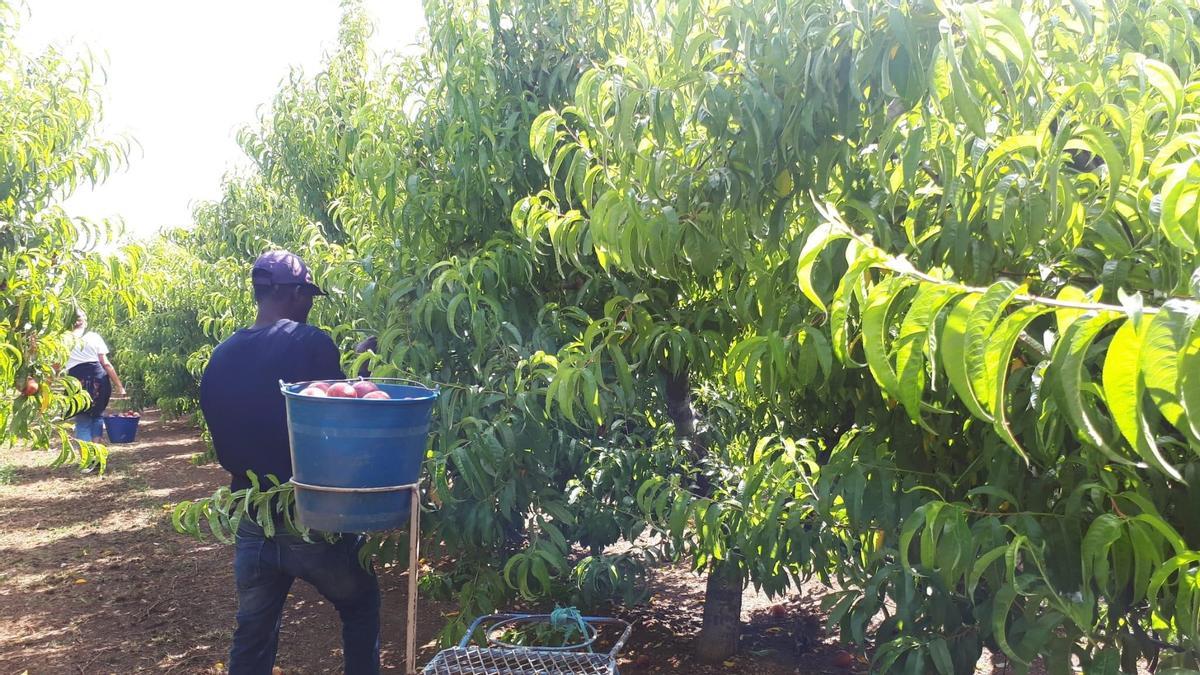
120, 429
352, 457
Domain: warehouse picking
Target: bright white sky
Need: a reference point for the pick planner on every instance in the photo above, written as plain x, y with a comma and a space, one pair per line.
184, 76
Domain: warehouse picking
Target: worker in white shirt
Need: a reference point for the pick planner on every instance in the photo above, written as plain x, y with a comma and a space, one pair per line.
89, 364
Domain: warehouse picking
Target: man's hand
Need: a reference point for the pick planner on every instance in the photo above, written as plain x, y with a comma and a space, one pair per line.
120, 392
367, 344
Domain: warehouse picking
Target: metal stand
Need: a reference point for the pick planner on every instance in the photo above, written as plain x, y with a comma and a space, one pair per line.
414, 563
414, 556
497, 658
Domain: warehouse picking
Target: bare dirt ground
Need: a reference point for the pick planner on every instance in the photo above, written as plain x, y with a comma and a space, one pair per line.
93, 579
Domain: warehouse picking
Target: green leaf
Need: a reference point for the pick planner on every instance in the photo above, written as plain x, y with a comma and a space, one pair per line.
980, 325
1123, 392
1009, 32
953, 352
623, 371
940, 654
1179, 200
1159, 578
216, 526
1096, 141
591, 396
1168, 533
982, 564
875, 328
177, 517
816, 243
1104, 531
1158, 361
452, 312
922, 515
849, 288
913, 339
1189, 380
1065, 317
1163, 78
1068, 375
679, 515
970, 110
1146, 558
1006, 595
999, 351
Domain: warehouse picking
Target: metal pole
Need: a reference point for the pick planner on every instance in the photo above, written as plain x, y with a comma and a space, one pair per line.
414, 561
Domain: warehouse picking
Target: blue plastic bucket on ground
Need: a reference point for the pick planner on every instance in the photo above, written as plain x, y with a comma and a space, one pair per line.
348, 452
120, 429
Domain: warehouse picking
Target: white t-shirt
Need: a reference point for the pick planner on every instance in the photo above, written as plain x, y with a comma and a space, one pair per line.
87, 350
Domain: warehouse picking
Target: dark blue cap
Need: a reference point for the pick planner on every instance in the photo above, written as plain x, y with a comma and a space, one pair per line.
278, 268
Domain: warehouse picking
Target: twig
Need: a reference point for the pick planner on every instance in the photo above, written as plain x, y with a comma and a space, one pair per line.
169, 594
1032, 299
902, 266
96, 655
145, 615
183, 660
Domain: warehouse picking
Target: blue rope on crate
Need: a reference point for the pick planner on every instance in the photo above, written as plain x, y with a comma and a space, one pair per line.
465, 659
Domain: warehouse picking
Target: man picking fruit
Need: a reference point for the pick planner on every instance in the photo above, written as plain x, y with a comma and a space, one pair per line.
244, 408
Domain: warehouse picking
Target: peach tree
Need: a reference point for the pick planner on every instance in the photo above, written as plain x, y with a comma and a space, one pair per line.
990, 212
49, 108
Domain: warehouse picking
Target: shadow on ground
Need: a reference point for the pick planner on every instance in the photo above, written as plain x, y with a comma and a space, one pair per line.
94, 579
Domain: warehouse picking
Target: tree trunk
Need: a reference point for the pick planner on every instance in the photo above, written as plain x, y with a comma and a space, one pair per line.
722, 627
687, 422
679, 405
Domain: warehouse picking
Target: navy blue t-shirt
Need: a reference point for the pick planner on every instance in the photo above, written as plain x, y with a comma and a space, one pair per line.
240, 397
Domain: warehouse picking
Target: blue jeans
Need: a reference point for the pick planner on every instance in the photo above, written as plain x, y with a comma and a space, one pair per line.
89, 428
264, 570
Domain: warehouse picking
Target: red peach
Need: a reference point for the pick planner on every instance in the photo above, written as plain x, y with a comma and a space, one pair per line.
341, 390
363, 387
843, 659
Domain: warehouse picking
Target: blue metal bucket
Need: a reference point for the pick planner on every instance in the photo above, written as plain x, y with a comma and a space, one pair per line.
352, 458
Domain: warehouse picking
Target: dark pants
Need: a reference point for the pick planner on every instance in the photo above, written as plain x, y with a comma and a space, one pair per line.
264, 570
94, 380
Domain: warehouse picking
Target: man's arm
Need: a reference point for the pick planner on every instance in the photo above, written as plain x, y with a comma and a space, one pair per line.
118, 388
324, 360
101, 348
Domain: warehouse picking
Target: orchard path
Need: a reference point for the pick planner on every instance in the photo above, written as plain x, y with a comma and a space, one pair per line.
93, 579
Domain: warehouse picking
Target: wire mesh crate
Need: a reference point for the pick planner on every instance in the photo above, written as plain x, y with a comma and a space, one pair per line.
499, 658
